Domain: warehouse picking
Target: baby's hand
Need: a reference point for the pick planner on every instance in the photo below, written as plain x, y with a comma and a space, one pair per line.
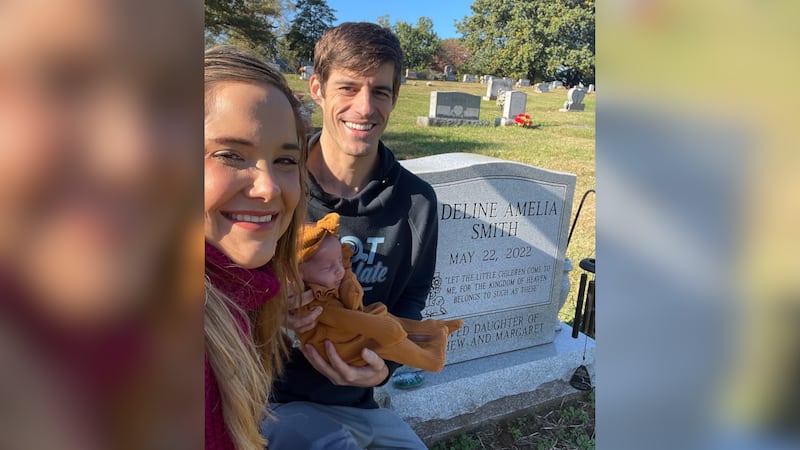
296, 322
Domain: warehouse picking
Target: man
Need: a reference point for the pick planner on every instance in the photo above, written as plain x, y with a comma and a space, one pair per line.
388, 216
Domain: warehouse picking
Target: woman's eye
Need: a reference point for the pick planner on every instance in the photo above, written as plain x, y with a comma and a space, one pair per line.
228, 156
286, 161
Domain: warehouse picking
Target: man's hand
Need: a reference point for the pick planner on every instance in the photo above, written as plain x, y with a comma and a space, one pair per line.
342, 374
305, 323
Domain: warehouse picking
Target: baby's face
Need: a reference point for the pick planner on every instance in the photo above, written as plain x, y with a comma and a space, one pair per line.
325, 268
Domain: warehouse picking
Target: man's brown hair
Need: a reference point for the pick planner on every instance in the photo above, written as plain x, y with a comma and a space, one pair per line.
359, 47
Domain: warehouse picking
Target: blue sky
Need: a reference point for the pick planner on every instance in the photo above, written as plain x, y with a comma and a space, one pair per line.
442, 13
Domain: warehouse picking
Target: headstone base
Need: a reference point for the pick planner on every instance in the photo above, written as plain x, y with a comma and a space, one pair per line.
489, 98
441, 122
467, 394
579, 107
504, 122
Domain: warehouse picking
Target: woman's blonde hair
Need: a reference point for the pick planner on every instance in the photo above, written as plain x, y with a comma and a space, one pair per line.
244, 368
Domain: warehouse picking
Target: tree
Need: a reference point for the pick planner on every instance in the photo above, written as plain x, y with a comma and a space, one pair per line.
536, 39
419, 43
312, 19
249, 23
451, 51
383, 21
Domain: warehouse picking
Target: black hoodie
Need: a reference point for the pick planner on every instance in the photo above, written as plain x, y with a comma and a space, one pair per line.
391, 225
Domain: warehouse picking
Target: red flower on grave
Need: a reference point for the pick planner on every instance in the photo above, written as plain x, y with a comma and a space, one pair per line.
523, 120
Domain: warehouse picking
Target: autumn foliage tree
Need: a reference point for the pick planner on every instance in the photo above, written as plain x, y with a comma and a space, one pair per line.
451, 51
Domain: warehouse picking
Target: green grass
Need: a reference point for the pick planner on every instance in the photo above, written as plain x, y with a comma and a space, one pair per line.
570, 425
559, 141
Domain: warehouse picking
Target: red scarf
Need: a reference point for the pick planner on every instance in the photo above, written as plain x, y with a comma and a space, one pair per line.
249, 289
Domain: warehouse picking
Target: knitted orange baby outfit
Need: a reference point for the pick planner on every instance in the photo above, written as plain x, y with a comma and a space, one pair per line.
351, 327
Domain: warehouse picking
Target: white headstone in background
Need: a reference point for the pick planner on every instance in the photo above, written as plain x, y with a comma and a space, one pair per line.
495, 85
515, 103
502, 237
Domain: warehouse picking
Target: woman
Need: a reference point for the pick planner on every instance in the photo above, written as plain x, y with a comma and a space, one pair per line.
255, 151
100, 130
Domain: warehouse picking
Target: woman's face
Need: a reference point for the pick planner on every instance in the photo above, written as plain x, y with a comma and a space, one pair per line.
252, 172
98, 122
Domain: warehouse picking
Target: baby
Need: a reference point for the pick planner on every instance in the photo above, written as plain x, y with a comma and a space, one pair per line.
324, 265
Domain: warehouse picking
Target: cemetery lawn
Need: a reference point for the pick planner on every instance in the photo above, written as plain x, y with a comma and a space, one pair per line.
568, 425
561, 141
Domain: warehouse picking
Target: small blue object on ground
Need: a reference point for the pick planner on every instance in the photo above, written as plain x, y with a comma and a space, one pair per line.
408, 380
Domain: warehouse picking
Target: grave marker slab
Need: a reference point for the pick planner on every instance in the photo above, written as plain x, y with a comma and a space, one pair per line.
502, 238
515, 103
574, 100
494, 85
448, 108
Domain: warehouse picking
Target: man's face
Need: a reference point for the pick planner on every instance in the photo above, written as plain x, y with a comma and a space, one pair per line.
355, 108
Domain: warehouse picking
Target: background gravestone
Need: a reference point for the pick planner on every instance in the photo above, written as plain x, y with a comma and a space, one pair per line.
515, 103
574, 100
502, 238
449, 108
494, 85
542, 88
449, 73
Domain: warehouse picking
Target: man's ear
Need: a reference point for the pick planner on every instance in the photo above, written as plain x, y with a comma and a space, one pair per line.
315, 89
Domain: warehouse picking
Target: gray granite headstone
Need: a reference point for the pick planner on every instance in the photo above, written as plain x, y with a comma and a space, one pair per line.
574, 100
449, 73
556, 84
449, 108
455, 105
542, 88
494, 85
515, 103
411, 74
502, 238
469, 78
523, 82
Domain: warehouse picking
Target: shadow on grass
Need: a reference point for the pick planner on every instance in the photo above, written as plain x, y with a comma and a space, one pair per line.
407, 145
